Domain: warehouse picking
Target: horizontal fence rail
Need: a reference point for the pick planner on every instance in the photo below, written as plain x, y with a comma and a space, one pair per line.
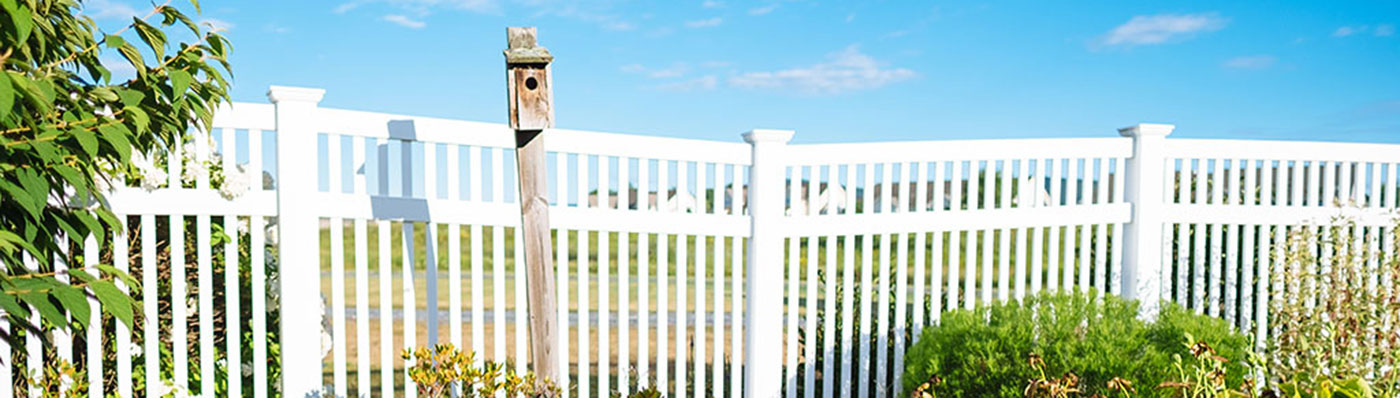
297, 250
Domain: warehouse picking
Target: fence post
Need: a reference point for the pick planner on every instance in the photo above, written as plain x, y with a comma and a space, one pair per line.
763, 369
297, 248
1143, 188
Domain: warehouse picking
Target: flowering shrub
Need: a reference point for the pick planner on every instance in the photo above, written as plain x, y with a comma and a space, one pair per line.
148, 171
443, 368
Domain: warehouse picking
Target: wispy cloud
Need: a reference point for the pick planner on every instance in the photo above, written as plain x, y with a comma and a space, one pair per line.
1382, 30
1251, 62
217, 25
763, 10
843, 71
671, 77
425, 7
675, 70
704, 23
712, 4
1164, 28
405, 21
106, 9
702, 83
593, 14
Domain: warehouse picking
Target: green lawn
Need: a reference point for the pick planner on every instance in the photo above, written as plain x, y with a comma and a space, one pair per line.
806, 252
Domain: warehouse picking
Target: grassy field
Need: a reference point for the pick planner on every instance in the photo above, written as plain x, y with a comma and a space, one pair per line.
816, 253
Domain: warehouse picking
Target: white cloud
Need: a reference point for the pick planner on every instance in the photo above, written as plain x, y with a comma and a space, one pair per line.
673, 71
106, 9
712, 4
1254, 62
843, 71
218, 25
1385, 30
278, 29
1348, 31
405, 21
1158, 29
716, 64
704, 23
423, 8
702, 83
763, 10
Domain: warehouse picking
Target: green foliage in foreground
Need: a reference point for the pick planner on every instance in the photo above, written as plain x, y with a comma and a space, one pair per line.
984, 352
67, 129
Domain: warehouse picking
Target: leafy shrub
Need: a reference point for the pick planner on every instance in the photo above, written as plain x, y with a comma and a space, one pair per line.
1335, 310
982, 352
437, 370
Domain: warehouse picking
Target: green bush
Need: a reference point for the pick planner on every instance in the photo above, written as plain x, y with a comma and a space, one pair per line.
983, 352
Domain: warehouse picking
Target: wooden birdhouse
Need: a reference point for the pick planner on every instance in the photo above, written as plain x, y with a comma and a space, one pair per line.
528, 92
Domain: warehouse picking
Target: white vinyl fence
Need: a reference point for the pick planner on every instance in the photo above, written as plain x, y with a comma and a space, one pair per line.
707, 269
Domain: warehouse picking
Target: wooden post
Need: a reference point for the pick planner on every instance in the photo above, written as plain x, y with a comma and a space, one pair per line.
529, 96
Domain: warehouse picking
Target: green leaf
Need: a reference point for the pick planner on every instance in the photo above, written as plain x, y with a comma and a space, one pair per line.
119, 274
40, 301
153, 37
179, 82
105, 94
7, 95
113, 301
23, 21
133, 56
114, 41
116, 137
12, 306
130, 97
31, 92
73, 300
88, 140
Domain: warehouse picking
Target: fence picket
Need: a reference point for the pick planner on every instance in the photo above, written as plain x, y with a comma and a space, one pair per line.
386, 306
848, 292
93, 340
644, 314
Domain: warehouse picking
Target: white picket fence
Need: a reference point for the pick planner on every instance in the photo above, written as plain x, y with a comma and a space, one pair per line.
695, 266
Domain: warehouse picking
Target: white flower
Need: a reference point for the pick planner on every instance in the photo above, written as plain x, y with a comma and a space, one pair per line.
274, 292
247, 369
151, 175
192, 304
65, 383
235, 183
272, 234
165, 388
193, 170
135, 349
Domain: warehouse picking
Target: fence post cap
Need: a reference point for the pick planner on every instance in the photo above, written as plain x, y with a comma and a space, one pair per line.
1147, 129
766, 135
294, 94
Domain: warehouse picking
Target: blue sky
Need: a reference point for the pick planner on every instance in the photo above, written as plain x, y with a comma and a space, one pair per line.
845, 71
